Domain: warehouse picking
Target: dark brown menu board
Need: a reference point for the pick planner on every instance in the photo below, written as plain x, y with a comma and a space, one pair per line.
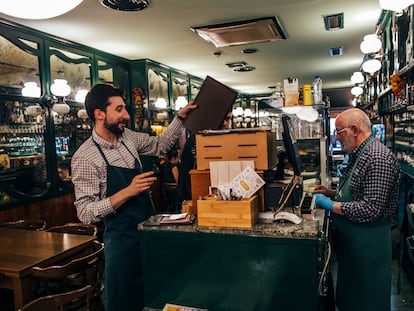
214, 101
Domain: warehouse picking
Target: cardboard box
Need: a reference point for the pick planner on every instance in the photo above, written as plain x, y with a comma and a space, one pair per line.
230, 214
256, 145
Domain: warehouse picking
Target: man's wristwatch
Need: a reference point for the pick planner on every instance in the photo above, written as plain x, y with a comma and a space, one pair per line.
180, 117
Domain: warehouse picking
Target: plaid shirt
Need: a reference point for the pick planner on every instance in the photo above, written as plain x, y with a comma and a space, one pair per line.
89, 167
374, 184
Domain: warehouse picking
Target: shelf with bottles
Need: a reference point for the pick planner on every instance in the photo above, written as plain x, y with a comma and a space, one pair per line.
404, 139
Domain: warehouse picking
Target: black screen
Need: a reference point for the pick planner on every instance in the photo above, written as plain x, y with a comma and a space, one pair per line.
289, 140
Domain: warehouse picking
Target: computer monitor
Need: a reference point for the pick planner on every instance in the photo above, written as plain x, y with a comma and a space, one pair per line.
290, 143
62, 145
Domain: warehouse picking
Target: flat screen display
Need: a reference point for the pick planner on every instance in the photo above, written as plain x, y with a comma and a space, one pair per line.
378, 131
289, 140
62, 145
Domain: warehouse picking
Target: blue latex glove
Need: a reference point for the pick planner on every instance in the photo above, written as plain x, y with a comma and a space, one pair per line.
323, 201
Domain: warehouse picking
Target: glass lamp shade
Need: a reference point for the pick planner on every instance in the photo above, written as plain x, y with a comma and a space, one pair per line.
39, 9
61, 108
371, 44
357, 77
371, 66
80, 96
160, 103
308, 114
357, 90
238, 112
248, 112
180, 102
395, 5
60, 88
291, 109
31, 90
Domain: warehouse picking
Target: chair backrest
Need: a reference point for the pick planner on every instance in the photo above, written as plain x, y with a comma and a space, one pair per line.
76, 264
27, 224
76, 228
80, 297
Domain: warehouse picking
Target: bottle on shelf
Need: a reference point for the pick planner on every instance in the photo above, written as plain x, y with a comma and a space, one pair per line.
317, 90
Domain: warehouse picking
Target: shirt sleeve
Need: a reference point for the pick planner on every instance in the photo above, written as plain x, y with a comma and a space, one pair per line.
371, 187
90, 206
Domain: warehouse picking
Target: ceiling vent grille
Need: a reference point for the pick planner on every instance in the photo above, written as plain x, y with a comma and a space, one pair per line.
338, 51
333, 22
126, 5
242, 32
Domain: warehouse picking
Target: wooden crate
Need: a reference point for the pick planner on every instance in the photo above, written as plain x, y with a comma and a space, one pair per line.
230, 214
259, 146
200, 182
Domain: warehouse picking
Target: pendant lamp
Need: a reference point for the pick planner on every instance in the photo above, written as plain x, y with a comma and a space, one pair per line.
395, 5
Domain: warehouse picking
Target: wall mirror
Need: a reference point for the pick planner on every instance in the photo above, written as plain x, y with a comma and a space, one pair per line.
72, 67
158, 81
105, 72
179, 85
19, 63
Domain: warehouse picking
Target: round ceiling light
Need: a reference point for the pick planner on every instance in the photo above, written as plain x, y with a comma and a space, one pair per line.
126, 5
357, 77
39, 9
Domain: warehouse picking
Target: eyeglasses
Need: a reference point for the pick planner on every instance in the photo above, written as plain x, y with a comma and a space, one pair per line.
341, 131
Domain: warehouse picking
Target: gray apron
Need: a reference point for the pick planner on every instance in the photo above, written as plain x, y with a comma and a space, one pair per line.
123, 271
363, 252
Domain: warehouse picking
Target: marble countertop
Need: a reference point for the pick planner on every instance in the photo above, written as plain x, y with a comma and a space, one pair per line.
306, 229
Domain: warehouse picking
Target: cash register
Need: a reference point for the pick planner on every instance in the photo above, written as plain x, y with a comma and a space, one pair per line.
283, 191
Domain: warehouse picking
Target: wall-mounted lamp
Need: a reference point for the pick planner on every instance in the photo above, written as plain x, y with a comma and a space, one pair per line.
238, 112
60, 89
161, 103
81, 95
39, 9
357, 90
357, 77
395, 5
31, 90
372, 65
180, 102
371, 44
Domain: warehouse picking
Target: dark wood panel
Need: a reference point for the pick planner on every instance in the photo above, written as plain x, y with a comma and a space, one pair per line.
55, 211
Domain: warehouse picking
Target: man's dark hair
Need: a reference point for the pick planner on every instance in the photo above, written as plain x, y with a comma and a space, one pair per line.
98, 96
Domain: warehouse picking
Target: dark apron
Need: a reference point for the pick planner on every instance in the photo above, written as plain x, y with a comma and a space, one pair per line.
123, 272
363, 252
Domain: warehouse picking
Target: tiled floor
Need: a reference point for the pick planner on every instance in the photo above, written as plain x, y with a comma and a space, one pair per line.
404, 301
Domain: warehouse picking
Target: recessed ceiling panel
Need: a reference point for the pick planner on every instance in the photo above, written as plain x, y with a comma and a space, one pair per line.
242, 32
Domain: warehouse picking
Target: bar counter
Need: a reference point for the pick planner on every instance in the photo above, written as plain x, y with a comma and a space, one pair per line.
269, 267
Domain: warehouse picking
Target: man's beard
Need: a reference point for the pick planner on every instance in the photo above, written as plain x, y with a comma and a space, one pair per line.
114, 127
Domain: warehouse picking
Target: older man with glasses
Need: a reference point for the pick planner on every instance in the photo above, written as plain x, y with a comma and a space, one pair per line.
361, 209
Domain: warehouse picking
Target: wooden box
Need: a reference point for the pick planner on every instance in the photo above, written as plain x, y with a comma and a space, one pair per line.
230, 214
257, 145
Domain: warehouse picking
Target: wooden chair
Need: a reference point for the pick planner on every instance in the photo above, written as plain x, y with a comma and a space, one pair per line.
27, 224
76, 228
81, 269
79, 299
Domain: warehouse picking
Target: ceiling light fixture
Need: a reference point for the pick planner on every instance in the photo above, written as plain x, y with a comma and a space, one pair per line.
242, 32
395, 5
126, 5
39, 9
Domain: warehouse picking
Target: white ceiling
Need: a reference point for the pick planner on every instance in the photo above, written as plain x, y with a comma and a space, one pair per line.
162, 33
